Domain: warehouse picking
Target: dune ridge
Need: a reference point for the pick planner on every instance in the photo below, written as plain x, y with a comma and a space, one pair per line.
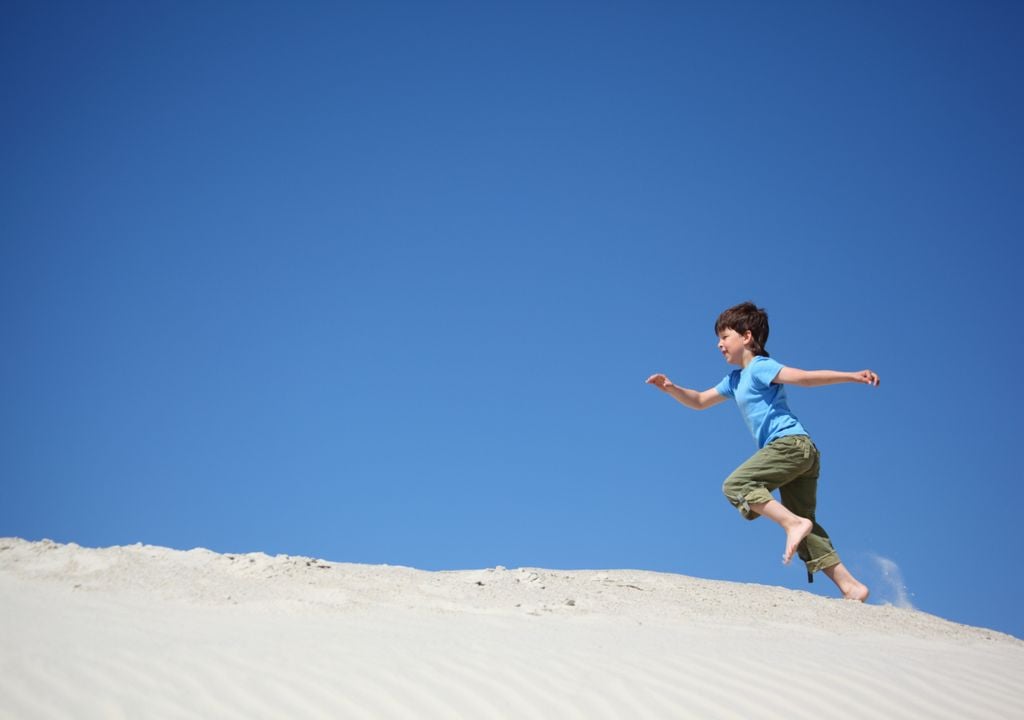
144, 631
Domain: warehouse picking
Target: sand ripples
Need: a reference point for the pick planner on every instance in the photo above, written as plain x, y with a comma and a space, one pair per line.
148, 633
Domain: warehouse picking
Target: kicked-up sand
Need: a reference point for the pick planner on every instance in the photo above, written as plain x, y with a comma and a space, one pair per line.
148, 632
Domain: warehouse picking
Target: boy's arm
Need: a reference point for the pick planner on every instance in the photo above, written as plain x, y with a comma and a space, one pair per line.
814, 378
689, 398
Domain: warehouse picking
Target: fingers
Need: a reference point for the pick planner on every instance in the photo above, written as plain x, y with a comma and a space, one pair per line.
871, 378
658, 380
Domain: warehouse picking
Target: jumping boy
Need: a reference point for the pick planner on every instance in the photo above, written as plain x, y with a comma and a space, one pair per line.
786, 459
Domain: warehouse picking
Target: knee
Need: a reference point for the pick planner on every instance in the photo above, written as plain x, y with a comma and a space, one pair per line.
731, 487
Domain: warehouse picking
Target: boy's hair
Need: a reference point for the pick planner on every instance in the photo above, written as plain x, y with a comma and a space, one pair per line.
743, 317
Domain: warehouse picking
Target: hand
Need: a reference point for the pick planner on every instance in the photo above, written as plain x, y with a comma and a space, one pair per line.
659, 381
866, 376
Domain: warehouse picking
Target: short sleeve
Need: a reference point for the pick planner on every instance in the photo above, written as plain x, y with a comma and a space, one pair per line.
764, 371
724, 388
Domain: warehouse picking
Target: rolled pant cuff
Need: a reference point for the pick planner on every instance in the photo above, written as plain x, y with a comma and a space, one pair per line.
822, 563
753, 498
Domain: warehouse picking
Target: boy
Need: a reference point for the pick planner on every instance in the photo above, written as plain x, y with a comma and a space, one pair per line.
786, 459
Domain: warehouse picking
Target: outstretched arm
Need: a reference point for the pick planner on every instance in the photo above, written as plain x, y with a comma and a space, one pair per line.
814, 378
689, 398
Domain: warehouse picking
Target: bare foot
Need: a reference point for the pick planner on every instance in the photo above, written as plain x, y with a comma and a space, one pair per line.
795, 534
858, 592
849, 586
796, 527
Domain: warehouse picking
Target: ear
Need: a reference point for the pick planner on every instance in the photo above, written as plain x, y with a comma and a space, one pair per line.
748, 337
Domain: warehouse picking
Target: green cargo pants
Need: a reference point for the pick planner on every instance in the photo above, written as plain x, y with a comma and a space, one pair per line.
790, 465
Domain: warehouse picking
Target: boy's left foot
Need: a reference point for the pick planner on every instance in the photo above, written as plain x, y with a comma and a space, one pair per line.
797, 528
795, 535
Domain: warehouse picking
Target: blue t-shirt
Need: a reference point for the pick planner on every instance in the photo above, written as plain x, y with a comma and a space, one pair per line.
762, 404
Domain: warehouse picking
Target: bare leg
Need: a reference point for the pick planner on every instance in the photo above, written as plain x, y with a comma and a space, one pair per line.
851, 588
796, 527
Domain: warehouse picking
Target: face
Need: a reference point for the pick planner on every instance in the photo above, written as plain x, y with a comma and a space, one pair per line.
731, 344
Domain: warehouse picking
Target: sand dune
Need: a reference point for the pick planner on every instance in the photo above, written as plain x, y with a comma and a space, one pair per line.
148, 632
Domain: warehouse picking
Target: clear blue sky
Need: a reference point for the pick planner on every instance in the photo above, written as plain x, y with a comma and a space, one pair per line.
382, 282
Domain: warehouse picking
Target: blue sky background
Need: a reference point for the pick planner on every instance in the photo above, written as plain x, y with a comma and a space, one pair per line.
382, 282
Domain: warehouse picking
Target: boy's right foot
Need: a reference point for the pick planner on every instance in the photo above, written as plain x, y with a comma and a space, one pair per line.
858, 592
849, 586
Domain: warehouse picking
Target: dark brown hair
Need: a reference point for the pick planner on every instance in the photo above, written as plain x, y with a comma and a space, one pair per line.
743, 317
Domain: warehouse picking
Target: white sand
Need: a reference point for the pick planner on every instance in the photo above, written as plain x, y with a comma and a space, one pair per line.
147, 632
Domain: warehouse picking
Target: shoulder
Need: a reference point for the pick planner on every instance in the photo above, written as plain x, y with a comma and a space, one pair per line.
764, 369
728, 384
